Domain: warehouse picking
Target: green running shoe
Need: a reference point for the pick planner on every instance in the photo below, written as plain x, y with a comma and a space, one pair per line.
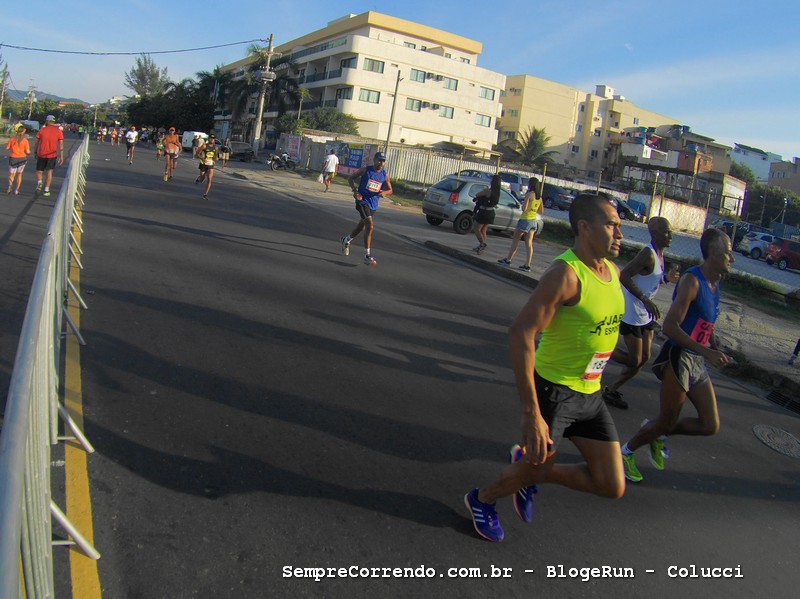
631, 471
658, 453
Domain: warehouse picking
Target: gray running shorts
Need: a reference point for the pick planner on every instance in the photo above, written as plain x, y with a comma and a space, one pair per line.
689, 368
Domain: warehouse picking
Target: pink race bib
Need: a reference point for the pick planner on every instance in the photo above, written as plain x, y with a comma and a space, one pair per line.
702, 331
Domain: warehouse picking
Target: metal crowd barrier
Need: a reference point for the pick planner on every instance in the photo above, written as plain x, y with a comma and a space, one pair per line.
33, 407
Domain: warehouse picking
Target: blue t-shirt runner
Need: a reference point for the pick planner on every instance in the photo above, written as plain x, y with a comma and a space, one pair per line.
373, 184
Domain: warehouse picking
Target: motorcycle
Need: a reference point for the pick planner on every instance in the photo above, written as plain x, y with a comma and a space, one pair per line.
280, 162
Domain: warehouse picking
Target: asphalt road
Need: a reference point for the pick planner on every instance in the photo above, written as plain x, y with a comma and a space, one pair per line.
260, 403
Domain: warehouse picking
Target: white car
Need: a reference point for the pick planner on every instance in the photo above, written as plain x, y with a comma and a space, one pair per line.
755, 244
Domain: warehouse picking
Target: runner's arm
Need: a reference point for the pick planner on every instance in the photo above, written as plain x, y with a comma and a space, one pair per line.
558, 286
387, 190
642, 264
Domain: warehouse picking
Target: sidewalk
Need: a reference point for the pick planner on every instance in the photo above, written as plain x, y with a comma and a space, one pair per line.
765, 340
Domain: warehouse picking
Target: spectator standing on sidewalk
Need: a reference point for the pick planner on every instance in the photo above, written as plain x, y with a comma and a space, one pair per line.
369, 185
49, 149
577, 308
225, 152
640, 280
689, 326
485, 203
329, 169
529, 224
18, 149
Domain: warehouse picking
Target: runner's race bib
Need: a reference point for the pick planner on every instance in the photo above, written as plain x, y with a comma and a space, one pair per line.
374, 186
702, 331
594, 370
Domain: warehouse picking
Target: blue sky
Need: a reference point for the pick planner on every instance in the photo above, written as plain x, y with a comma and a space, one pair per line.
729, 70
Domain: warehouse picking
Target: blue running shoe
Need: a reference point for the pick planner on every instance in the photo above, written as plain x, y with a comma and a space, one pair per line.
523, 499
484, 517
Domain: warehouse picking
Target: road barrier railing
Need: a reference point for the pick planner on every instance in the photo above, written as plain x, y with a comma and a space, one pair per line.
33, 406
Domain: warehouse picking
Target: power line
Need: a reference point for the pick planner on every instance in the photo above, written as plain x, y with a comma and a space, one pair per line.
126, 53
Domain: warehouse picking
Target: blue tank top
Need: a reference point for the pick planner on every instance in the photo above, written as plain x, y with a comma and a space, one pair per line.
703, 311
370, 186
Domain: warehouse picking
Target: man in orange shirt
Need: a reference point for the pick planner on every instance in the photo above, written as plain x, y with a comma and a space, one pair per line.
49, 153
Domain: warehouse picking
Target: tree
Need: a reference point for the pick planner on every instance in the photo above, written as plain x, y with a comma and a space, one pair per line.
303, 94
743, 173
288, 123
331, 120
145, 78
216, 85
530, 149
281, 93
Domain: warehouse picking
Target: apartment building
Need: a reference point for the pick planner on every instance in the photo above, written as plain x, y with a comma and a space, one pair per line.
786, 175
355, 64
755, 159
581, 125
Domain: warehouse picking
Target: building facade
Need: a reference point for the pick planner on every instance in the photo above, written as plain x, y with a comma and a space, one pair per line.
355, 64
786, 175
581, 126
755, 159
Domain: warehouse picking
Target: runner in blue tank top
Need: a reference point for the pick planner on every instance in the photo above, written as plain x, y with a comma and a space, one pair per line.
373, 184
680, 365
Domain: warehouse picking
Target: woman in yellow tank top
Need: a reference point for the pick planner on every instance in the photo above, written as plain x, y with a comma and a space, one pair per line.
529, 224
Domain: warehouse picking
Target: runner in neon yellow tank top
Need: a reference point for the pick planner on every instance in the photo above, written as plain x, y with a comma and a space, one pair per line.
577, 307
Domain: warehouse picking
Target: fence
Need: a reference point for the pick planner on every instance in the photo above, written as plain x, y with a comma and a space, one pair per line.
33, 407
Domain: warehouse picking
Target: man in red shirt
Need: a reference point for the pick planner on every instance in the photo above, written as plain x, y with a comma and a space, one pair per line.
49, 152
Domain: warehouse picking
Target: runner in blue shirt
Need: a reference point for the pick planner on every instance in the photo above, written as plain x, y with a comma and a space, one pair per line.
680, 365
373, 184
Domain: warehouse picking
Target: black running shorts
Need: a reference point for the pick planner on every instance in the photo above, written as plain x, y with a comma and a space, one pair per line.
364, 210
572, 414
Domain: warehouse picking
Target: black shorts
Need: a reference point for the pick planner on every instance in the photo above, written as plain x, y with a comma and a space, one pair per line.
635, 330
484, 217
129, 144
46, 164
364, 210
204, 168
572, 414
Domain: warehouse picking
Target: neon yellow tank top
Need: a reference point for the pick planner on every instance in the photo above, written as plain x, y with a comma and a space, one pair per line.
533, 209
575, 348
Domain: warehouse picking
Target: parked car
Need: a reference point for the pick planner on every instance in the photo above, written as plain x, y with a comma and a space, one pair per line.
785, 253
755, 245
475, 174
557, 197
241, 151
517, 184
742, 229
628, 212
451, 200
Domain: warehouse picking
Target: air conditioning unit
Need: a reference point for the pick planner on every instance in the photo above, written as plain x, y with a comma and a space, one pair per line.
439, 77
429, 75
426, 104
435, 106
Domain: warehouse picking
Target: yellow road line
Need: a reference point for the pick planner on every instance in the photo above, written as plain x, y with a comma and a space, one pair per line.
85, 575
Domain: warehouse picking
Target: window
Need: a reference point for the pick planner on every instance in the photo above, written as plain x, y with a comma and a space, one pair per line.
593, 153
412, 104
344, 93
636, 120
513, 112
348, 63
597, 132
417, 75
450, 83
578, 128
575, 149
448, 55
483, 120
376, 66
424, 48
410, 45
510, 134
583, 108
466, 60
369, 95
446, 112
487, 93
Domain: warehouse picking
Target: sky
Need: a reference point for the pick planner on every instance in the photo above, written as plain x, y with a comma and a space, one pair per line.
728, 70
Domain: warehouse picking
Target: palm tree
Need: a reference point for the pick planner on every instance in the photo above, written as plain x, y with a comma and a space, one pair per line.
217, 84
303, 94
530, 149
283, 90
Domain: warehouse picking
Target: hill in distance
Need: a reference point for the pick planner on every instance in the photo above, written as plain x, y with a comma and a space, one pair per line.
16, 95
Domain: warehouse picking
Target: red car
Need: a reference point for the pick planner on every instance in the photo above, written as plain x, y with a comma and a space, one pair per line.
785, 253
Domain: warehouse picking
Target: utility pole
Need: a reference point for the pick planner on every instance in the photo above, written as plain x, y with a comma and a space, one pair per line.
3, 79
391, 116
266, 76
31, 98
